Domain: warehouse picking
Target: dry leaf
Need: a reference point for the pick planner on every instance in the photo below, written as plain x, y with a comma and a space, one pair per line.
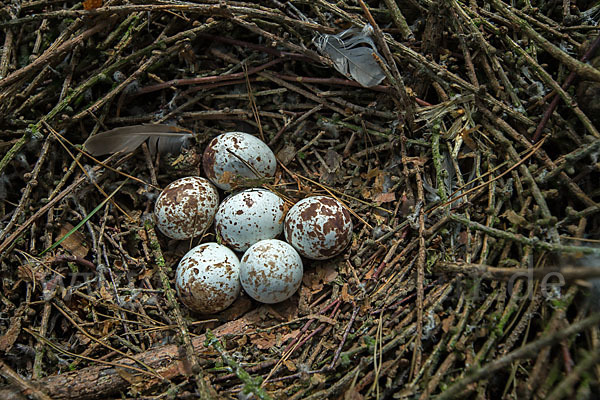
345, 295
264, 340
317, 379
82, 339
289, 335
385, 197
290, 365
322, 275
286, 154
74, 244
331, 173
515, 218
380, 219
105, 294
352, 394
92, 4
466, 137
447, 324
327, 273
136, 380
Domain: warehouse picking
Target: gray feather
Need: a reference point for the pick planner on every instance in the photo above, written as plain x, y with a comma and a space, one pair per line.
352, 54
161, 139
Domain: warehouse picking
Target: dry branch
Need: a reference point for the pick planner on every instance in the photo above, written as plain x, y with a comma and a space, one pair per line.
100, 381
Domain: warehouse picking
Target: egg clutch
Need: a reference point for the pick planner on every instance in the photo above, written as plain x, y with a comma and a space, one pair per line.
210, 276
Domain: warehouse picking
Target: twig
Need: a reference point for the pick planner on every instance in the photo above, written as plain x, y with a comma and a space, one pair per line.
206, 391
10, 375
498, 273
515, 237
398, 82
578, 67
527, 351
417, 352
251, 385
49, 56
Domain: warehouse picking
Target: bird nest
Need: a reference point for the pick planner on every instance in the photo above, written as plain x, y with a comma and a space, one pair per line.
461, 135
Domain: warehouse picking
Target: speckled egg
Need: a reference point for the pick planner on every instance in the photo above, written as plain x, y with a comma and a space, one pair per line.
186, 207
319, 227
271, 271
207, 278
226, 158
248, 217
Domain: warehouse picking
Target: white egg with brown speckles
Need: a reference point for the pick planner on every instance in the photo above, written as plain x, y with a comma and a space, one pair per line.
207, 278
236, 154
319, 227
186, 207
248, 217
271, 271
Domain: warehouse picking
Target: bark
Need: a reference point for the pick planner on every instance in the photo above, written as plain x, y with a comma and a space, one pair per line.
99, 381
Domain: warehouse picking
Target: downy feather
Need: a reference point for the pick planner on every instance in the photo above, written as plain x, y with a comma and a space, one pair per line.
352, 54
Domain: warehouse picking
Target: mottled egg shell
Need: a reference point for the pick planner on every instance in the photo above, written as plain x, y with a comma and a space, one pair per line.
248, 217
222, 158
186, 207
207, 278
271, 271
319, 227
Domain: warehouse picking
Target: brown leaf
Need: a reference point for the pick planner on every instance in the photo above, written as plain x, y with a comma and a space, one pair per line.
74, 243
327, 273
353, 394
264, 340
345, 296
317, 379
379, 218
331, 173
466, 137
515, 218
385, 197
105, 293
311, 281
136, 380
82, 339
92, 4
290, 365
367, 193
447, 324
379, 182
286, 154
146, 274
322, 275
290, 335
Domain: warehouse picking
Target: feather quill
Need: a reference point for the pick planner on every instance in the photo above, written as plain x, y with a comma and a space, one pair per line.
352, 54
161, 139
